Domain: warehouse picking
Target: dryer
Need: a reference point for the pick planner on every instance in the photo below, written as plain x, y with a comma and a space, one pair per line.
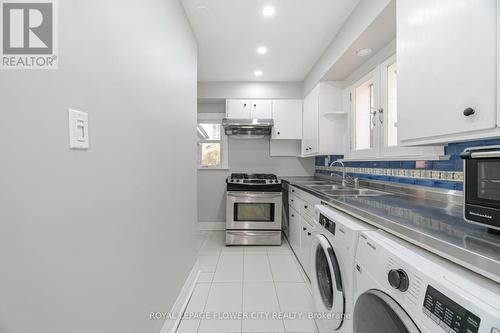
332, 255
401, 288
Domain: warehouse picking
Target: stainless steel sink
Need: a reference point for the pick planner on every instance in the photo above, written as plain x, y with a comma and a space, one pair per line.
328, 187
353, 191
312, 182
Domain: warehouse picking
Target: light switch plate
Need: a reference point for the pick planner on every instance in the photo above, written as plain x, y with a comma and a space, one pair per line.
78, 129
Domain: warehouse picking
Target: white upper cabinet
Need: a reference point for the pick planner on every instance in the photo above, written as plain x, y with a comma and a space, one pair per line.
324, 121
238, 108
245, 109
447, 59
261, 109
310, 123
287, 116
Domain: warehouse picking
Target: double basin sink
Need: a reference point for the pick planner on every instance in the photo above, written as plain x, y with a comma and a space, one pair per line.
329, 189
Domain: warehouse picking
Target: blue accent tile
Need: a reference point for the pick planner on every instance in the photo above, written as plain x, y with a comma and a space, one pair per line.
408, 165
453, 150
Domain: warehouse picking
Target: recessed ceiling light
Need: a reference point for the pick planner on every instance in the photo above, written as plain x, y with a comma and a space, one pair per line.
262, 50
268, 11
257, 73
363, 52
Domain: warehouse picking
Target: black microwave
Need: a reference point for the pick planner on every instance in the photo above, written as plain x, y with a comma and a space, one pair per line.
482, 186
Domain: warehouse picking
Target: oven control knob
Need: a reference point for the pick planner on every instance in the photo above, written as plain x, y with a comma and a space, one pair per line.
398, 279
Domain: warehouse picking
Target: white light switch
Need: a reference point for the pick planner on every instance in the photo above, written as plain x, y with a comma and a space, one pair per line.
78, 129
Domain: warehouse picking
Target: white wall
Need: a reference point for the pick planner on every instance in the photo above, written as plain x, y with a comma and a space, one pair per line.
218, 91
92, 241
244, 156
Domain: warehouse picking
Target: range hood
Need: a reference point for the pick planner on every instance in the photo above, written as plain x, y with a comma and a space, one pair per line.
248, 127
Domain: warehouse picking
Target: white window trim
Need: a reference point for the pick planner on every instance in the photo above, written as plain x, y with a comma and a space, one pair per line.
380, 151
214, 118
370, 152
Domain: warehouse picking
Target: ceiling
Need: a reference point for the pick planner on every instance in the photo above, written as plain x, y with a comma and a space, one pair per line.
229, 31
378, 34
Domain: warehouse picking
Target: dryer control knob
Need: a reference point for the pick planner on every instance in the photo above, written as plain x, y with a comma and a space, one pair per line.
398, 279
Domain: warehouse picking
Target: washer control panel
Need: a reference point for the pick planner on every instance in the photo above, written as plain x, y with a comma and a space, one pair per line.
327, 223
448, 314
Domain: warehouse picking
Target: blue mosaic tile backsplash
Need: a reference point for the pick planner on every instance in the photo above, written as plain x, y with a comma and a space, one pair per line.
446, 174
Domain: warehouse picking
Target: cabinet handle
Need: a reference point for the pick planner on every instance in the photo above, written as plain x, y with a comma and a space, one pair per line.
293, 190
245, 105
255, 105
279, 133
291, 200
308, 234
305, 206
380, 117
469, 112
293, 215
304, 228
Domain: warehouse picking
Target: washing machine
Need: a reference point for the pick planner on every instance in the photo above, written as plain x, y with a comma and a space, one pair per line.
401, 288
332, 255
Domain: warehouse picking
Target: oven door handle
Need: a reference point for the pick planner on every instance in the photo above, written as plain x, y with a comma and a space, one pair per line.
253, 195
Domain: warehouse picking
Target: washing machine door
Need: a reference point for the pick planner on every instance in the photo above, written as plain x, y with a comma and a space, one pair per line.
377, 312
326, 283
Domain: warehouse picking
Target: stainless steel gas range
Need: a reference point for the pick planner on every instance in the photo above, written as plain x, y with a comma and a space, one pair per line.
253, 209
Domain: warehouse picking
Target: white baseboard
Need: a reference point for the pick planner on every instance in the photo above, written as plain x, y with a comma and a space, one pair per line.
170, 325
211, 225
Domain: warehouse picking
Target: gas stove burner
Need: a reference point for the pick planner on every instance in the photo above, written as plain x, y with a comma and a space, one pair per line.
253, 179
253, 176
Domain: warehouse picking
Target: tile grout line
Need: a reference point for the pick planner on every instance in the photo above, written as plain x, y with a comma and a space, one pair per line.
276, 292
210, 288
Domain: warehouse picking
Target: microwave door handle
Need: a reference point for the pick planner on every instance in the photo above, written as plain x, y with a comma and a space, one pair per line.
481, 154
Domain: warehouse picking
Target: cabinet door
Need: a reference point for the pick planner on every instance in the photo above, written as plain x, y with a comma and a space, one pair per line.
287, 116
446, 64
261, 109
238, 108
294, 230
310, 144
305, 244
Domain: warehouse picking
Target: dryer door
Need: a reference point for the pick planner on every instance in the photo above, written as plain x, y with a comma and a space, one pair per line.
377, 312
326, 283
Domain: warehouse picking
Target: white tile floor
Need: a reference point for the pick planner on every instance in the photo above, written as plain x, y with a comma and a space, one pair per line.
263, 283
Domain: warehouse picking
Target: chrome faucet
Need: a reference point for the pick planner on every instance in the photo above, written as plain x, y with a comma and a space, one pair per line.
345, 177
344, 183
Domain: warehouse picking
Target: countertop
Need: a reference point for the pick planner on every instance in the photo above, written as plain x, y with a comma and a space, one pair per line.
434, 225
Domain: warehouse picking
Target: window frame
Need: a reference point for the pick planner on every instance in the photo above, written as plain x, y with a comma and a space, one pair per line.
209, 118
380, 149
354, 153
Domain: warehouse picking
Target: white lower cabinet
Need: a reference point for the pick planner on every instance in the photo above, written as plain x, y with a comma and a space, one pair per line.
306, 226
301, 225
294, 230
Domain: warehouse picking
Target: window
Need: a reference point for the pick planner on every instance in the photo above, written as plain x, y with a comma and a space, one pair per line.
374, 118
392, 106
209, 145
364, 110
363, 115
212, 144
